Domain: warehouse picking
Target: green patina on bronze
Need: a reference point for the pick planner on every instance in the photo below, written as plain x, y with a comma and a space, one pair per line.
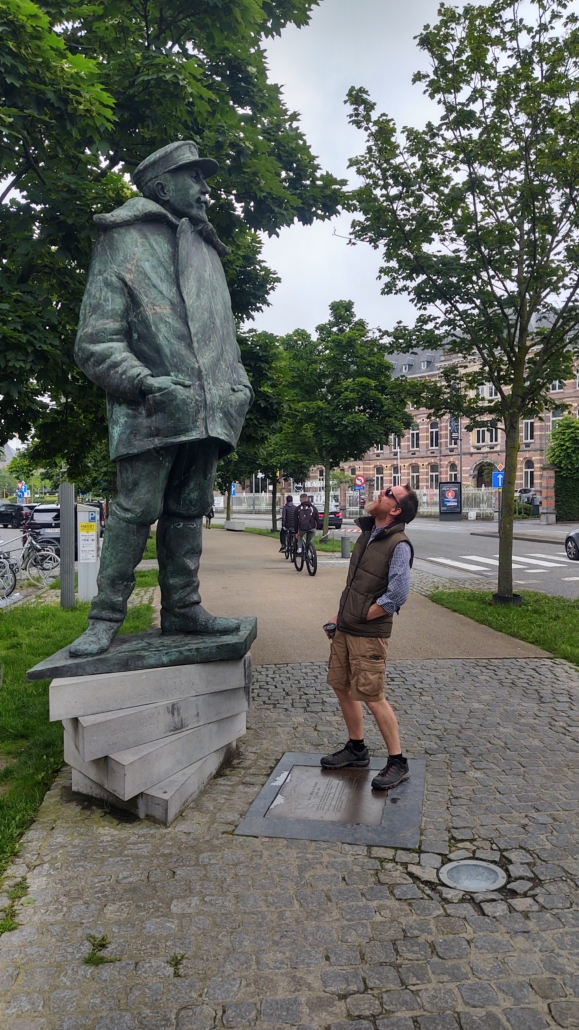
157, 332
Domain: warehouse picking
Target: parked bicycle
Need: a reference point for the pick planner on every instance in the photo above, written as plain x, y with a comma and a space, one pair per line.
41, 565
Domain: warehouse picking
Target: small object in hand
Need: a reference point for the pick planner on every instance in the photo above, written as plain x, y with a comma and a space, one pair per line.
329, 629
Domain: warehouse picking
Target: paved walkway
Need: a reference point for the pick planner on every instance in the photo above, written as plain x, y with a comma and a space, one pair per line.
277, 934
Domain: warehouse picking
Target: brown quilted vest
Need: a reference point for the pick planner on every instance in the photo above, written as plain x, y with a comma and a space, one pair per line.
368, 579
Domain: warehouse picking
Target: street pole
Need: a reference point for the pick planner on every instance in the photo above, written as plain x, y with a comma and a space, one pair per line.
67, 541
460, 449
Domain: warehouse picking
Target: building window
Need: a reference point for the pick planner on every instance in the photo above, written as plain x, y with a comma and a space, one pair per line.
406, 368
379, 448
493, 392
395, 443
577, 379
452, 473
352, 471
396, 475
528, 430
480, 436
529, 475
556, 416
433, 435
320, 473
482, 391
433, 477
556, 386
379, 478
493, 434
415, 477
424, 365
414, 437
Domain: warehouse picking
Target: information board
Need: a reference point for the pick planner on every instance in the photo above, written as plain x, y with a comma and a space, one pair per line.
87, 541
450, 498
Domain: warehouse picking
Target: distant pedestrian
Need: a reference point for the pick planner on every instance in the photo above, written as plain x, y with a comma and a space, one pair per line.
210, 515
306, 520
288, 523
377, 586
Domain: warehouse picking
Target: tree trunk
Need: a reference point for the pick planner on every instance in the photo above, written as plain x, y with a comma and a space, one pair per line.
274, 506
228, 509
327, 488
512, 443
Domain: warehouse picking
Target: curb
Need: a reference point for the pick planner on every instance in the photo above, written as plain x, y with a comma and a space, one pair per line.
535, 539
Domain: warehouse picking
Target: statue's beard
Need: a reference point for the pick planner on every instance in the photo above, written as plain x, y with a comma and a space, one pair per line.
209, 234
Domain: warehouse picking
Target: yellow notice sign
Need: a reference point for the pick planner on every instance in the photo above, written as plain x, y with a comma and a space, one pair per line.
87, 527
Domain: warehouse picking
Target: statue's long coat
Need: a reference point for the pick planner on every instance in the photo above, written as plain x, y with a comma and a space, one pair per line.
157, 303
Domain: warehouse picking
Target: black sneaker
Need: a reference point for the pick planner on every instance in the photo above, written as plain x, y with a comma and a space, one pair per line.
394, 772
346, 758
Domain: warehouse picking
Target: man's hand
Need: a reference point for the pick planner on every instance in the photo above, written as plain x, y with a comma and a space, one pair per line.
374, 612
156, 384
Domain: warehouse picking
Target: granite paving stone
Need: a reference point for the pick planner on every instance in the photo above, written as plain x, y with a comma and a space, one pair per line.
273, 934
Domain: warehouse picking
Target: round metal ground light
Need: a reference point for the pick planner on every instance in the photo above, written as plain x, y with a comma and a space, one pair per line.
472, 875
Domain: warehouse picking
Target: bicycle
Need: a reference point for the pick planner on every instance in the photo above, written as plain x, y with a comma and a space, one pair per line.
311, 559
289, 545
7, 578
41, 565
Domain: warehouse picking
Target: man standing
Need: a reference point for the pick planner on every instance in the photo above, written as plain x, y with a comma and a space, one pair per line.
377, 586
157, 332
288, 525
306, 520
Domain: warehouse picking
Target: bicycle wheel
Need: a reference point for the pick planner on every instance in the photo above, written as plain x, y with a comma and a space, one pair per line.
299, 556
43, 568
311, 560
7, 579
287, 546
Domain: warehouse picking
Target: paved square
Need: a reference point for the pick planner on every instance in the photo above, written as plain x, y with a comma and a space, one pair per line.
276, 934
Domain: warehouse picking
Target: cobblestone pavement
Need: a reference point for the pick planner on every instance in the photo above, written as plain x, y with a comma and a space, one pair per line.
277, 934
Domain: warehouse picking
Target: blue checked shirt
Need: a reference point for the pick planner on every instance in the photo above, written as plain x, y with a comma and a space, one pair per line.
398, 577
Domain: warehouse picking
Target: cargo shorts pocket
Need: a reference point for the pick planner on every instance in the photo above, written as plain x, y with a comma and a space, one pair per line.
368, 675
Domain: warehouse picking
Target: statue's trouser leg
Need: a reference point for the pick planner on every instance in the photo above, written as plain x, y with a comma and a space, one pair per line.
142, 480
188, 498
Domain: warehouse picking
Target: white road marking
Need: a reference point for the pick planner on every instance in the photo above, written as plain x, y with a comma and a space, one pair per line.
535, 561
551, 557
459, 564
489, 561
570, 579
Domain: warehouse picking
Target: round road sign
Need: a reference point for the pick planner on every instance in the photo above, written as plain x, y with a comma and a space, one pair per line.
359, 480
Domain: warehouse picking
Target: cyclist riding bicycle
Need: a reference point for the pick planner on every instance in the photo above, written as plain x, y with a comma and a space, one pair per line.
288, 521
306, 516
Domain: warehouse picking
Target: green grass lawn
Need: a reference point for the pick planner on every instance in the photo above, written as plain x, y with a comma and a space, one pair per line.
151, 549
548, 622
30, 744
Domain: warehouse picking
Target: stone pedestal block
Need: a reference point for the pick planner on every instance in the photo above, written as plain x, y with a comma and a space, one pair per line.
147, 724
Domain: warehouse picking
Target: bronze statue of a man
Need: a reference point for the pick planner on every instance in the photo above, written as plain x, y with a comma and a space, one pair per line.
157, 332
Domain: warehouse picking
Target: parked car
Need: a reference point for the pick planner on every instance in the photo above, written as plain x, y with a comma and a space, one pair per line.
44, 524
572, 545
335, 519
12, 515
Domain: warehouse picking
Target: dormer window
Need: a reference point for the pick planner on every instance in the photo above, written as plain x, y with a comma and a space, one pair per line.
424, 365
406, 368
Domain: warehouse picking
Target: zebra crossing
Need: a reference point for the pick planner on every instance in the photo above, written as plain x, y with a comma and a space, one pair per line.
532, 561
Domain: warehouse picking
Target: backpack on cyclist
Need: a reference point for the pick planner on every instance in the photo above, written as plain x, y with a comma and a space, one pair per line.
306, 517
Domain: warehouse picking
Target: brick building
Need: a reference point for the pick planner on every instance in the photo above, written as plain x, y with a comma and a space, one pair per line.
442, 450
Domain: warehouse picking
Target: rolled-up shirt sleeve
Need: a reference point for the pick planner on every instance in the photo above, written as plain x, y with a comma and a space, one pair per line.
398, 580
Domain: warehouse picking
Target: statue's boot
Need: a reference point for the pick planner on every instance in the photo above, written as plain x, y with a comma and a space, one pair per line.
123, 547
179, 553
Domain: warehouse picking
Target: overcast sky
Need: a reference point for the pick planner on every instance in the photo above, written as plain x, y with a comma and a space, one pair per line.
367, 43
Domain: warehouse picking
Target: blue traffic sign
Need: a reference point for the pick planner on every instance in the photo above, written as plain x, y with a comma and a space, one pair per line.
233, 490
358, 487
497, 481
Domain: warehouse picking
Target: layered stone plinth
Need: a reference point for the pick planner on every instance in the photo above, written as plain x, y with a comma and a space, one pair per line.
147, 724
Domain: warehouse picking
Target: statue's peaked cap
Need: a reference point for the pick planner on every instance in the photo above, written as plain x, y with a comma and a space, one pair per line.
172, 156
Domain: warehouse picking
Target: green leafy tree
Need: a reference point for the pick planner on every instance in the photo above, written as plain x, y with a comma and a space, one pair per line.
87, 92
476, 215
563, 453
342, 397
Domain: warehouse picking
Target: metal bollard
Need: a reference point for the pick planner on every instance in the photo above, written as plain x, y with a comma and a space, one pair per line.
67, 542
345, 546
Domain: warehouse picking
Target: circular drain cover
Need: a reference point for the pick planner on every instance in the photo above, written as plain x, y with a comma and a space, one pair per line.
471, 874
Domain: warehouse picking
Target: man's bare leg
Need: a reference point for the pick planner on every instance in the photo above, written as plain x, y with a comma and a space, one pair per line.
353, 714
387, 724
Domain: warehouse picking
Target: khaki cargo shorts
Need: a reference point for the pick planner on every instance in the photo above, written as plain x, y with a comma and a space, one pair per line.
358, 665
